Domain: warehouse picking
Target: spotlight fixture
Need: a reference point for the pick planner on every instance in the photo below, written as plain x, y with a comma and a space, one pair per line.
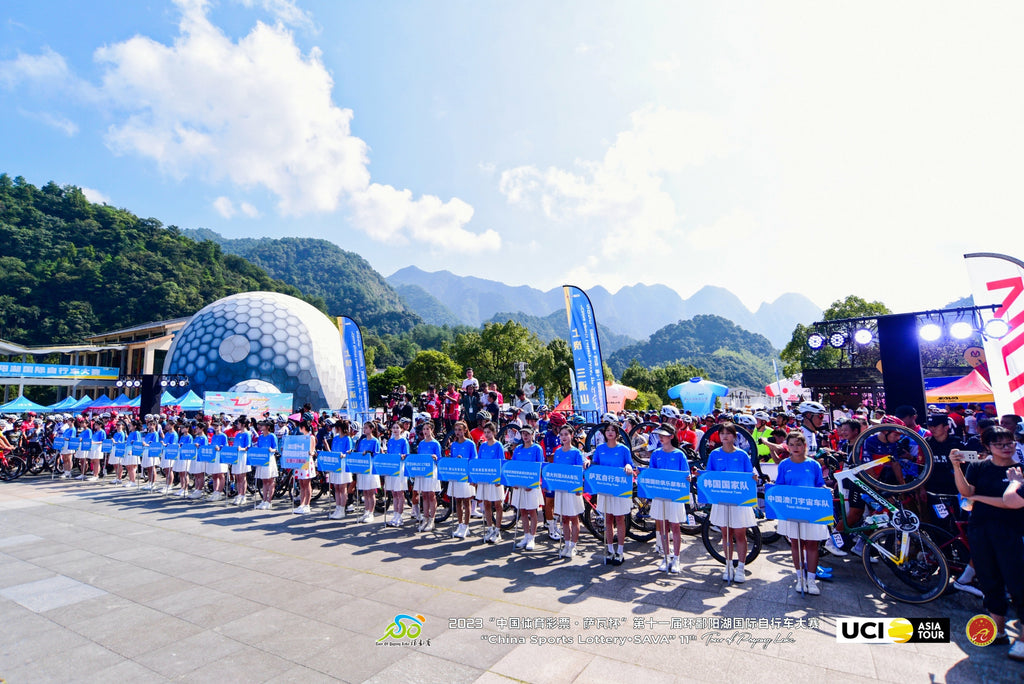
961, 330
816, 341
930, 332
119, 383
163, 383
837, 340
996, 328
863, 336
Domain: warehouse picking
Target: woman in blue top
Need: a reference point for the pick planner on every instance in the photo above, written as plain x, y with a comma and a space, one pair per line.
240, 469
397, 484
528, 499
669, 514
151, 454
117, 436
84, 434
614, 508
339, 482
180, 466
96, 448
66, 454
732, 520
217, 470
130, 460
368, 484
492, 495
461, 492
569, 505
428, 487
267, 474
800, 471
197, 468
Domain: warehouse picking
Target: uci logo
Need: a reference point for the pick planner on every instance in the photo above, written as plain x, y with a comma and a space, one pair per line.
874, 631
404, 627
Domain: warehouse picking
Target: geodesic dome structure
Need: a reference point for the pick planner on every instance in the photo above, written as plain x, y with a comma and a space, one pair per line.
265, 336
253, 385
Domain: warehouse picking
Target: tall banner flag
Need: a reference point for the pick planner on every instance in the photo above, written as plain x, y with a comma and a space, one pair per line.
355, 368
588, 376
997, 279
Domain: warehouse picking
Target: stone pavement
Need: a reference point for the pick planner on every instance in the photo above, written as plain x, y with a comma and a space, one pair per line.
98, 584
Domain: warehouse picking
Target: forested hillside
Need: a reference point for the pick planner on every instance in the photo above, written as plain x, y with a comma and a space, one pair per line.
70, 268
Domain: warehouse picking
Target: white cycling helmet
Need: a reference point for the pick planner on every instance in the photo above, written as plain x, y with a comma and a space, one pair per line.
745, 420
811, 407
609, 418
669, 411
761, 415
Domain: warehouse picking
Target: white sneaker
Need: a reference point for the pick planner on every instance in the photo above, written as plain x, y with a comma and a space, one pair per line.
115, 481
741, 574
261, 506
303, 510
182, 493
91, 478
522, 542
673, 566
416, 514
488, 535
811, 584
350, 508
496, 539
217, 496
242, 499
663, 566
477, 513
127, 485
658, 549
196, 494
396, 520
428, 526
563, 551
727, 574
80, 477
553, 532
367, 517
831, 547
528, 546
801, 584
338, 513
968, 589
571, 549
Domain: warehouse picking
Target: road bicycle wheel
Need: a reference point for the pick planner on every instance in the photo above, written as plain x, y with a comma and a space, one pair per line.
642, 527
320, 487
920, 578
911, 456
444, 507
594, 436
509, 513
953, 549
744, 441
699, 514
640, 442
446, 443
714, 546
509, 438
593, 520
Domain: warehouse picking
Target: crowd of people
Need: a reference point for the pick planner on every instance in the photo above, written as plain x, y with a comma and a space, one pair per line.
975, 455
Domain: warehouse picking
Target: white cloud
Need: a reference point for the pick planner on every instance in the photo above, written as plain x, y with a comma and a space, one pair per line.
61, 123
224, 206
95, 196
670, 65
623, 194
256, 113
286, 12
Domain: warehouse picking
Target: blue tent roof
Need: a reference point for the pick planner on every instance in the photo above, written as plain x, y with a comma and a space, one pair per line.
81, 403
121, 400
99, 402
167, 399
190, 401
65, 403
22, 405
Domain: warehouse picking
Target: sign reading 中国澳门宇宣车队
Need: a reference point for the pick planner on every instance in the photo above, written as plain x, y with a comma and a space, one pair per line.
520, 474
453, 469
723, 487
656, 483
389, 465
802, 504
559, 477
608, 481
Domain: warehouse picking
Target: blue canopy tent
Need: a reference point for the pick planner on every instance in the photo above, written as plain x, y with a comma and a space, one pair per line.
81, 403
98, 404
23, 405
62, 405
121, 401
698, 395
190, 401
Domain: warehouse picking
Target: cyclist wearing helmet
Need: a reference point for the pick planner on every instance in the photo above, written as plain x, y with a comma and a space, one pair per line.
812, 414
762, 431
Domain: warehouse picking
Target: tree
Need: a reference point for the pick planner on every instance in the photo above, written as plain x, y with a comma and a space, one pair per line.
797, 355
431, 368
550, 369
381, 384
492, 351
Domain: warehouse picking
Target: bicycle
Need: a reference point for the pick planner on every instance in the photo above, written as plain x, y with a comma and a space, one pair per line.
955, 547
899, 557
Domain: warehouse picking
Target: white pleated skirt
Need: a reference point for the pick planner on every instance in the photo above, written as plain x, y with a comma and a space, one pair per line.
339, 478
614, 505
461, 490
806, 531
426, 484
395, 483
670, 511
567, 503
364, 482
490, 492
735, 517
527, 499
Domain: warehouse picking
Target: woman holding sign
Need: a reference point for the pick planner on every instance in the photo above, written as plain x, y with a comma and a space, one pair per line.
492, 495
306, 473
117, 436
397, 484
528, 499
669, 514
732, 520
240, 469
218, 471
368, 484
268, 473
341, 443
799, 471
461, 492
614, 508
567, 504
130, 460
428, 487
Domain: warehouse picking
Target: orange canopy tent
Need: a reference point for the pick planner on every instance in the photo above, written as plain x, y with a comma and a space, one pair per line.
972, 388
615, 393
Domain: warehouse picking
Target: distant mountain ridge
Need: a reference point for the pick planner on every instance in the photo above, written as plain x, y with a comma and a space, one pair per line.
555, 325
636, 310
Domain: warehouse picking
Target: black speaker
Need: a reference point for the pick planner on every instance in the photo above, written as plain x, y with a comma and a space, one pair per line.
150, 395
901, 362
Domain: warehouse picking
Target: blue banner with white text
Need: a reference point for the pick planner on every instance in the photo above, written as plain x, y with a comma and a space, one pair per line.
356, 384
588, 367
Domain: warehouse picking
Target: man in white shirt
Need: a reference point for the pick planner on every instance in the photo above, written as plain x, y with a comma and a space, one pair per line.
470, 380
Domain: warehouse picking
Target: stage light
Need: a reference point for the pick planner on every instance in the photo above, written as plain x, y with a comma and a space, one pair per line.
863, 336
930, 332
119, 383
996, 329
163, 383
837, 340
961, 330
815, 341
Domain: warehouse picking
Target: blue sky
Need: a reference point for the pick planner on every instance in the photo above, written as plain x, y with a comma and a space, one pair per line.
821, 147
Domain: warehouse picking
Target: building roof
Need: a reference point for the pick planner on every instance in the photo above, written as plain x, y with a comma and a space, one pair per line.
12, 349
158, 327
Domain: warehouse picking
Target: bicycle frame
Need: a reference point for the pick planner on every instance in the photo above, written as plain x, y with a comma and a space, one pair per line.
862, 531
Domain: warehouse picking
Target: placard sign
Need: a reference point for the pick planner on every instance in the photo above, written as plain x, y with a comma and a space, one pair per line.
138, 449
670, 485
608, 481
485, 470
228, 455
389, 465
453, 469
58, 443
330, 461
107, 446
736, 489
559, 477
206, 453
258, 456
419, 465
75, 443
172, 451
120, 449
359, 462
187, 452
521, 474
802, 504
295, 451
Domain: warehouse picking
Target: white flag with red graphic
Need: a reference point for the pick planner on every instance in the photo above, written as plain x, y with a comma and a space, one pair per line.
789, 389
998, 280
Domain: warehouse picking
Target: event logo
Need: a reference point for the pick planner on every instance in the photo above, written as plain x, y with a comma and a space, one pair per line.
403, 630
981, 630
892, 630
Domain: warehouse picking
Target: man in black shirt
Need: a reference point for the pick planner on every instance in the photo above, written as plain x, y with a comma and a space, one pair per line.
470, 404
941, 443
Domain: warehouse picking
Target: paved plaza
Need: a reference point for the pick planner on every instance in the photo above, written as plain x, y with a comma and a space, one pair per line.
98, 584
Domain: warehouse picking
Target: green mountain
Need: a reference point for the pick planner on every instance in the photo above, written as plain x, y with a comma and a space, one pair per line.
729, 354
344, 280
426, 305
70, 268
555, 325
